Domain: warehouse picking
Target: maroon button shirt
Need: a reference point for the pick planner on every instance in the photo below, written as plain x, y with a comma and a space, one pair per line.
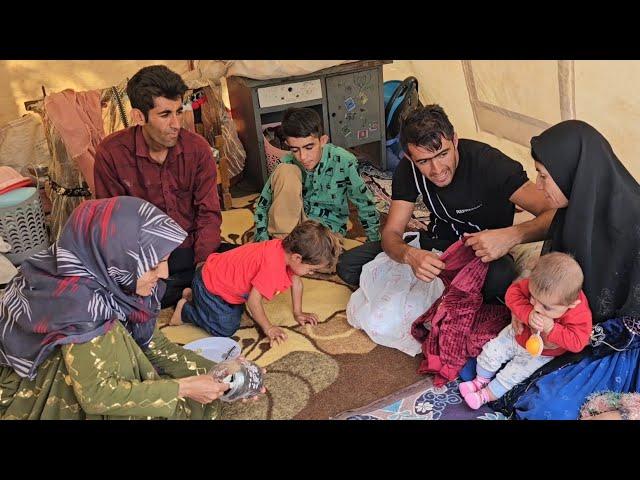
184, 186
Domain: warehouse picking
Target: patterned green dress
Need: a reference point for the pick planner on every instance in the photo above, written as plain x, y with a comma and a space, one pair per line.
109, 377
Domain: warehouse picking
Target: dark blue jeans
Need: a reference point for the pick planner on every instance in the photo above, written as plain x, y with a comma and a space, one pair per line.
210, 312
181, 271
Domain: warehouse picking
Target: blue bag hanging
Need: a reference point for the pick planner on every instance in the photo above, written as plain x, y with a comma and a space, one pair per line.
400, 97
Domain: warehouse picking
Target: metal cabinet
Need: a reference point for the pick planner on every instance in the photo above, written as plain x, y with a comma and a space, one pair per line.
349, 98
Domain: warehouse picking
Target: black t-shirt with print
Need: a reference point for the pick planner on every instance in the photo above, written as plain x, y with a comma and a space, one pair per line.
475, 200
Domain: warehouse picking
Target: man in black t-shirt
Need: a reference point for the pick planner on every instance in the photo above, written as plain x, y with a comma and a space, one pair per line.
471, 190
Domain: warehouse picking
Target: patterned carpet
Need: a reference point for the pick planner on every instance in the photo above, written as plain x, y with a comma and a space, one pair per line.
422, 401
380, 184
319, 371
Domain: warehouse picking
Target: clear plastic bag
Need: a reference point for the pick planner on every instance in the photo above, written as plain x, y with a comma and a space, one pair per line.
389, 299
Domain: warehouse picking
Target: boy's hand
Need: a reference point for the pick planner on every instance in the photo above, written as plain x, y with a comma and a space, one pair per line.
304, 317
490, 245
276, 335
540, 323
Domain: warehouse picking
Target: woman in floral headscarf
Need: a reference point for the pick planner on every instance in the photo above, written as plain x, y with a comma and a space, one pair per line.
78, 336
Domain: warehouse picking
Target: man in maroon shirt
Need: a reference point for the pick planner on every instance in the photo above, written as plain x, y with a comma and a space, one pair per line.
169, 166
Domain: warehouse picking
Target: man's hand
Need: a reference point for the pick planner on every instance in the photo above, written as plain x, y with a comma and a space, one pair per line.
303, 317
490, 245
425, 265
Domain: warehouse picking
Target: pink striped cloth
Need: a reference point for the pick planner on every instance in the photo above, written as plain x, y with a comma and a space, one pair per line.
458, 324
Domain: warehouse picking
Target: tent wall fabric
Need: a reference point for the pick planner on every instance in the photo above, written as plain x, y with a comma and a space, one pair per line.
23, 143
600, 92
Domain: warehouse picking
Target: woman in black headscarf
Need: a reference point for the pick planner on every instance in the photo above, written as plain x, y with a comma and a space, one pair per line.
598, 222
78, 335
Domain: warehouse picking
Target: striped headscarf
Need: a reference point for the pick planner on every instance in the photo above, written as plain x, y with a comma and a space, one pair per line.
77, 288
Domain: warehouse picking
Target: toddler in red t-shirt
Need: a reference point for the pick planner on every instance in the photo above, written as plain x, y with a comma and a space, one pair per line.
254, 271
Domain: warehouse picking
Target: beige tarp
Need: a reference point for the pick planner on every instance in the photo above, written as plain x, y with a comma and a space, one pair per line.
505, 102
500, 102
261, 69
22, 143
